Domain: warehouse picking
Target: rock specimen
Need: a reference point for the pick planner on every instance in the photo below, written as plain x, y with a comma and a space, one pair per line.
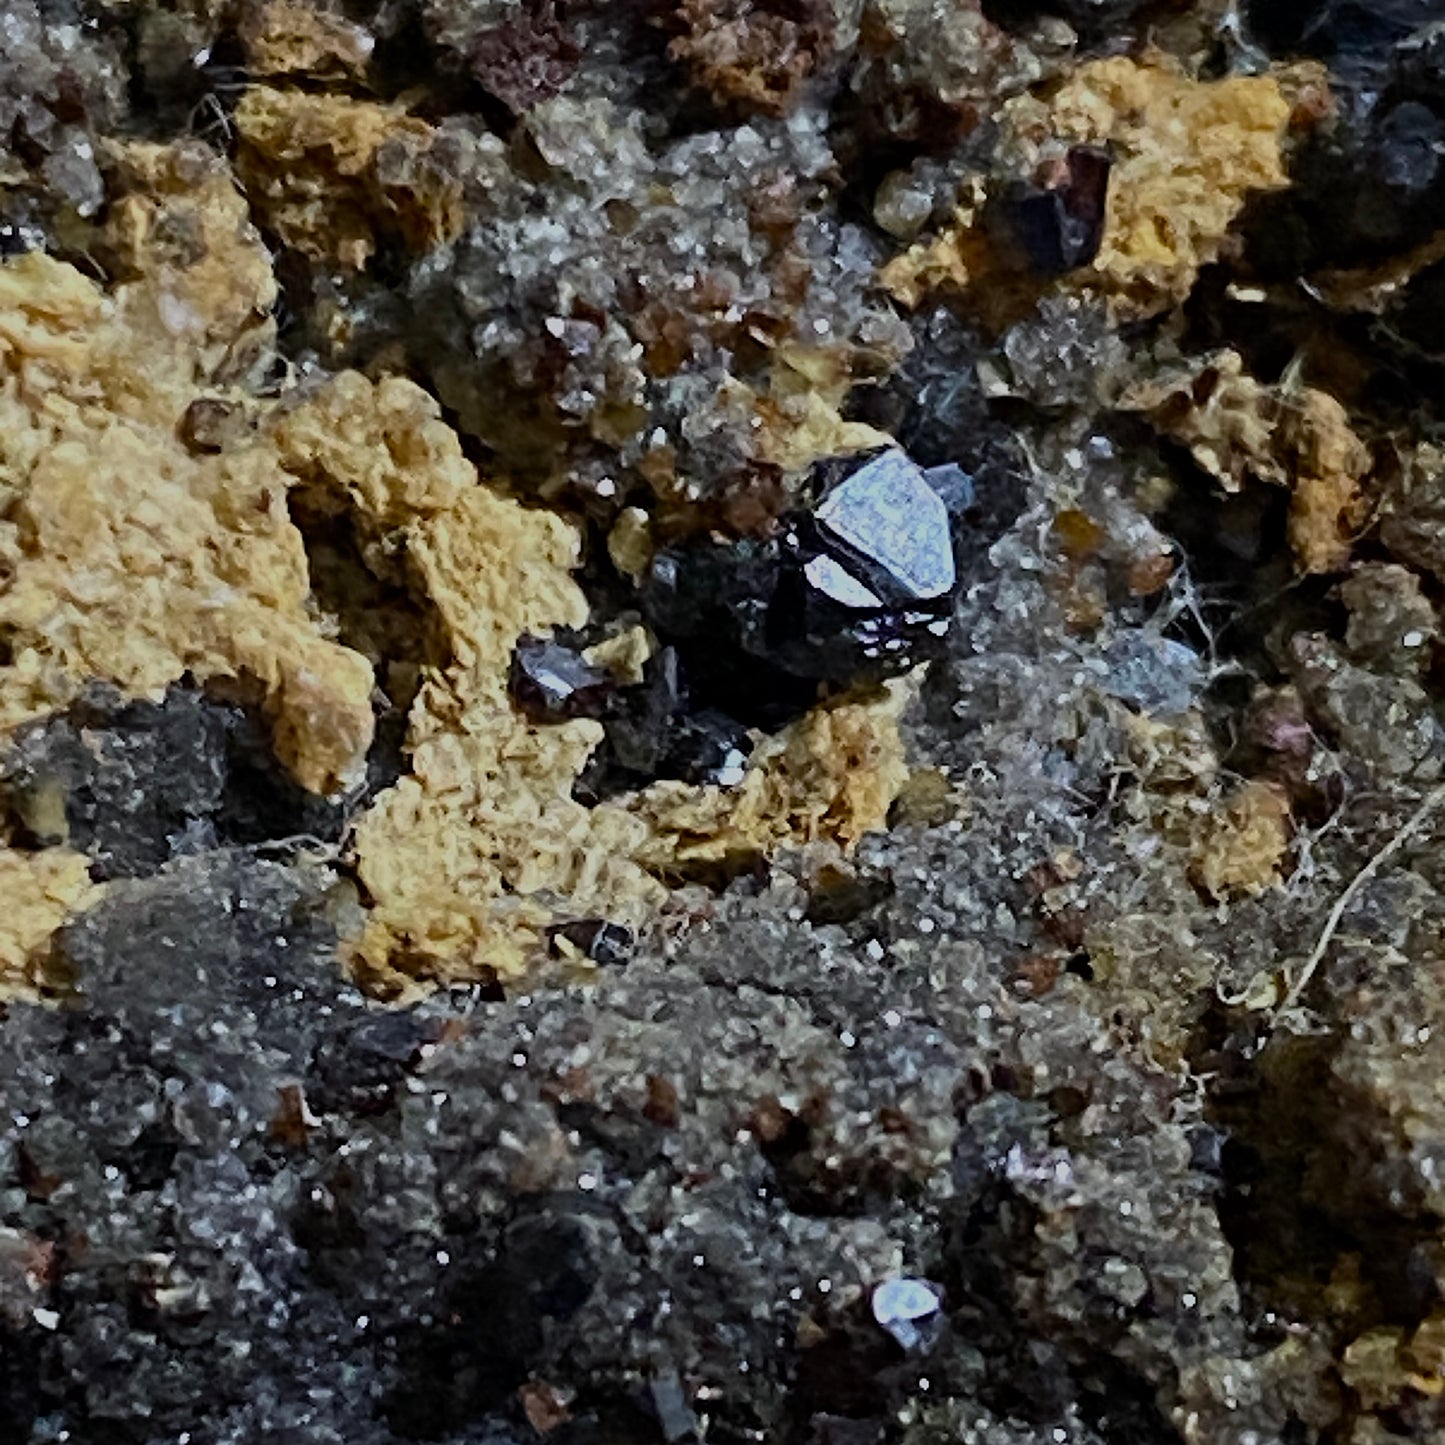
502, 936
199, 569
335, 178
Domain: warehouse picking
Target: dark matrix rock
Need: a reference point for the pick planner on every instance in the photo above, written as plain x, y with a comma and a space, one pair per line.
239, 1206
134, 784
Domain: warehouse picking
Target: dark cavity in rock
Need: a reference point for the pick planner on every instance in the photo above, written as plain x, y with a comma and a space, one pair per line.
1054, 229
136, 784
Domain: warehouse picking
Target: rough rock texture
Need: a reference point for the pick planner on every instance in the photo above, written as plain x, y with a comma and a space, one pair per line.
41, 892
485, 959
588, 357
334, 177
1187, 153
100, 486
289, 37
1289, 434
60, 91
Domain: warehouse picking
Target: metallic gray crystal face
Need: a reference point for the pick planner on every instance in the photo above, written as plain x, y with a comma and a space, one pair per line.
906, 1308
897, 526
836, 583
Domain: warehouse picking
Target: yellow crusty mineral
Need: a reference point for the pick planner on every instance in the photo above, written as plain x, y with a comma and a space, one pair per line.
833, 774
287, 37
198, 281
381, 448
1286, 433
1243, 843
800, 417
130, 560
329, 174
958, 258
126, 557
1187, 154
41, 891
138, 550
467, 858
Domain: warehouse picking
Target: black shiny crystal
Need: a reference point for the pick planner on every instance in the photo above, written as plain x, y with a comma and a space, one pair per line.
552, 681
855, 588
1056, 229
606, 944
654, 731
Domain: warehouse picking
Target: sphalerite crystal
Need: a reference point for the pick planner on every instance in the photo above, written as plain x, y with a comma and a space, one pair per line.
1056, 228
551, 681
855, 588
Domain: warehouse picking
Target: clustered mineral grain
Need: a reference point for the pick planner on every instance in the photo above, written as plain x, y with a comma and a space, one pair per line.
722, 720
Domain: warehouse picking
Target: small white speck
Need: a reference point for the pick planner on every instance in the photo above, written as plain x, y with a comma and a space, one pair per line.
362, 1321
443, 1258
892, 1018
46, 1319
847, 1039
699, 1260
587, 1182
520, 1060
899, 1305
825, 1286
732, 771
